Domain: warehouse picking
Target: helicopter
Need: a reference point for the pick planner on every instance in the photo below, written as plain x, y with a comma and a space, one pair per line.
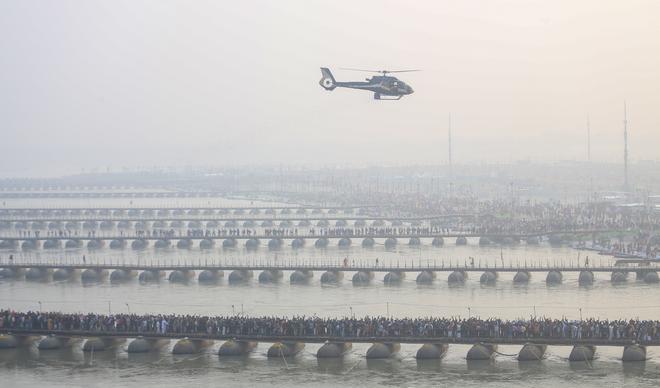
385, 87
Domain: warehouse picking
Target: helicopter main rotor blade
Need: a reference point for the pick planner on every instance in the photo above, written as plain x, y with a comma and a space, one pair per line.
379, 71
365, 70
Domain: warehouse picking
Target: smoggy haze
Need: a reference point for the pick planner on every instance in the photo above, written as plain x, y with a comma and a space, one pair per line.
126, 83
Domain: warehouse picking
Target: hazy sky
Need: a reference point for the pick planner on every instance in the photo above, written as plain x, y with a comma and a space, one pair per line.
153, 83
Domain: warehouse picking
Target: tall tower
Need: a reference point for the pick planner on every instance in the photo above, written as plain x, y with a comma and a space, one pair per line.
451, 169
625, 147
589, 167
449, 161
588, 140
449, 143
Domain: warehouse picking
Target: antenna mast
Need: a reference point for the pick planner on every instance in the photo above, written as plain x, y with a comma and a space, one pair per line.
449, 136
591, 178
588, 140
451, 170
625, 147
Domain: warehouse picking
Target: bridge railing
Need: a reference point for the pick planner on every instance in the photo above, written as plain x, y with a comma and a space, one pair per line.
213, 217
304, 232
331, 264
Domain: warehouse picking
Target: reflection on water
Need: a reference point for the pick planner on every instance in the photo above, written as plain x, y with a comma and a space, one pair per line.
334, 365
481, 366
115, 367
633, 369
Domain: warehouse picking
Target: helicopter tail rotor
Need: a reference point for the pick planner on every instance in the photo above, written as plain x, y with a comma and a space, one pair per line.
327, 80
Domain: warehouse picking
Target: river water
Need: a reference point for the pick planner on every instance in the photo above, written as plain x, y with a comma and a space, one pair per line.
29, 367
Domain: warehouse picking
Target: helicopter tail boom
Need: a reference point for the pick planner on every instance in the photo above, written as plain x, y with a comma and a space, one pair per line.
327, 80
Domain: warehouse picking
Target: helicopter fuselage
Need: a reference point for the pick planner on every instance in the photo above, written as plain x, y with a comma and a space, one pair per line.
382, 85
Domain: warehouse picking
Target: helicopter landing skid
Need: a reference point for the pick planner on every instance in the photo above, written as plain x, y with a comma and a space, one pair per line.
378, 96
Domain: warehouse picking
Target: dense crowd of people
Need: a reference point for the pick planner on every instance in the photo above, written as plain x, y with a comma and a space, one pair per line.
470, 217
306, 326
549, 217
492, 217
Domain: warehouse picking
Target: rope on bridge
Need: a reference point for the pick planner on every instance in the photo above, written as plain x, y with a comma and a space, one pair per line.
586, 359
409, 355
504, 354
584, 354
353, 367
160, 360
284, 359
